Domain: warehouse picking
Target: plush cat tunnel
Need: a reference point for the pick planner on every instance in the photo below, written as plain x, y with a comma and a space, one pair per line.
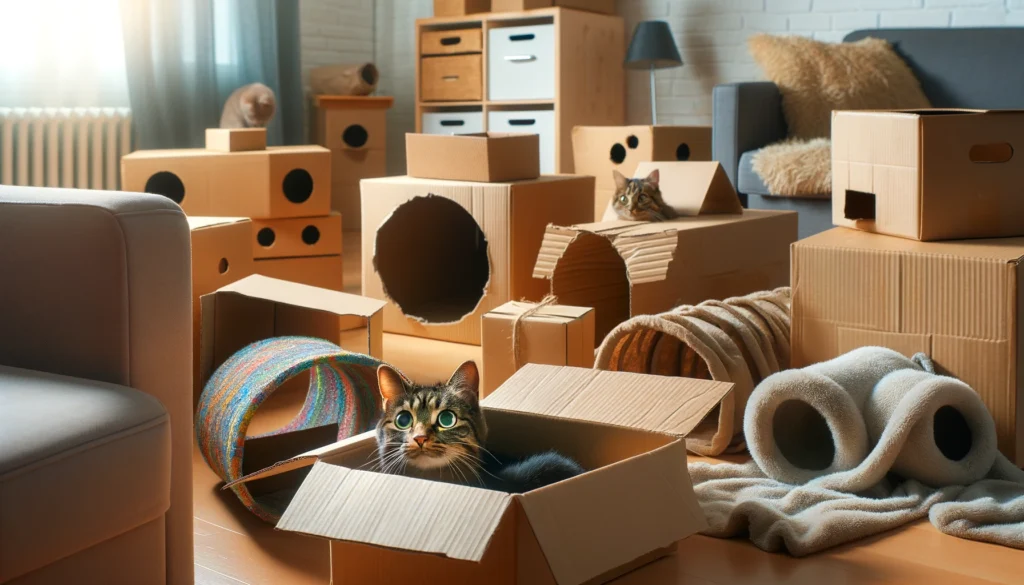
343, 391
740, 340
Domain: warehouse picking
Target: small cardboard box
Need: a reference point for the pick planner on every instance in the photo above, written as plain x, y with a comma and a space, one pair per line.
236, 139
631, 507
555, 334
281, 181
319, 271
221, 254
604, 6
598, 150
460, 7
443, 253
297, 237
960, 302
346, 122
486, 157
258, 307
929, 174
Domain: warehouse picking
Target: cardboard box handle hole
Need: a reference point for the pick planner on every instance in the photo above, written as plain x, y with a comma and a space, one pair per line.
999, 152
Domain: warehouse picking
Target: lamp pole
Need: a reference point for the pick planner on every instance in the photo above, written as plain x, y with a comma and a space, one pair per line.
654, 101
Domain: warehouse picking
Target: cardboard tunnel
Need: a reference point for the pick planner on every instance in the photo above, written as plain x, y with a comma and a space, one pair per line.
631, 506
443, 253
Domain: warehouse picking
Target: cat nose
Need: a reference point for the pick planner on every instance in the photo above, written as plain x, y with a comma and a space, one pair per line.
420, 439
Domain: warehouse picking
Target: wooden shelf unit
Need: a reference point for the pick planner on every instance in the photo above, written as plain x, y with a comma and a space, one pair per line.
589, 77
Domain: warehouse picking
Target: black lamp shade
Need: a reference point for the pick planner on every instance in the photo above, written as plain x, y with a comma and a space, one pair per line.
653, 47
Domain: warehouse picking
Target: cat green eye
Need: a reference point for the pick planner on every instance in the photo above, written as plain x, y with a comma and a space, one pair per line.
403, 420
623, 199
447, 419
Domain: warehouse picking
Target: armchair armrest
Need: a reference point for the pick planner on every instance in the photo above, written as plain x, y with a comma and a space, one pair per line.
746, 116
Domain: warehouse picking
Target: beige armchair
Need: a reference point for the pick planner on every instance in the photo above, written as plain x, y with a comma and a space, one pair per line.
95, 389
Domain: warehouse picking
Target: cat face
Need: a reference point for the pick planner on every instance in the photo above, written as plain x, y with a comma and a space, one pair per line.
431, 428
638, 199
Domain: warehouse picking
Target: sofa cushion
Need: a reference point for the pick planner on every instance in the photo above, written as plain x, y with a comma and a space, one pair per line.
81, 462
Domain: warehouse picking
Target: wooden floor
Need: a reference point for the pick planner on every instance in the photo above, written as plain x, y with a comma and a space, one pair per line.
234, 547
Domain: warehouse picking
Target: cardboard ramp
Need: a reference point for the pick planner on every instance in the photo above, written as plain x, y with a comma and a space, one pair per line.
631, 506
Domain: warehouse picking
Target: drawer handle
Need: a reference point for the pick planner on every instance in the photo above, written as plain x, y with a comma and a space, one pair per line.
520, 58
453, 122
522, 122
449, 41
522, 37
450, 78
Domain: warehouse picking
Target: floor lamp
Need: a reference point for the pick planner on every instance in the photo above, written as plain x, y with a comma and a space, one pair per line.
653, 48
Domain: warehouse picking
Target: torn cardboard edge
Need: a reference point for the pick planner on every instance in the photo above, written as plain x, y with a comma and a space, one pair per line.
335, 498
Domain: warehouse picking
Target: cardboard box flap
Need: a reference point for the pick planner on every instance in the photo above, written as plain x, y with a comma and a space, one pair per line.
580, 544
694, 188
658, 404
387, 510
198, 223
648, 256
283, 291
306, 459
1009, 250
558, 313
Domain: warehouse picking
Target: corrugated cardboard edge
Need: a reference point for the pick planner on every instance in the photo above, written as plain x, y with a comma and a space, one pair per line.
647, 256
556, 241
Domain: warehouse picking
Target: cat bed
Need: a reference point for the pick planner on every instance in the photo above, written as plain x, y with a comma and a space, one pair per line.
740, 340
856, 446
343, 391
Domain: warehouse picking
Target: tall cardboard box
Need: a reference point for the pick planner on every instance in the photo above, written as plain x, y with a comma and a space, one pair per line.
633, 505
960, 302
443, 253
929, 174
598, 150
556, 335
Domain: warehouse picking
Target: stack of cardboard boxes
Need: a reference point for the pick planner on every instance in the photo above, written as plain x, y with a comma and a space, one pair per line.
929, 255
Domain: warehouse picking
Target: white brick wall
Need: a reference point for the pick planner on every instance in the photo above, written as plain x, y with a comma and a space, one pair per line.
711, 35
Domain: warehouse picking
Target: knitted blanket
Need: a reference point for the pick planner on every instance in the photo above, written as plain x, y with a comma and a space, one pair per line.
858, 445
740, 340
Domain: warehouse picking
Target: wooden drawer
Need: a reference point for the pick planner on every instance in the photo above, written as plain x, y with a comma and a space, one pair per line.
448, 42
455, 78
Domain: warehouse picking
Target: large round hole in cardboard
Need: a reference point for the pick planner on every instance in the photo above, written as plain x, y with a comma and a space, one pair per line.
683, 151
222, 266
803, 436
355, 136
952, 433
432, 260
618, 153
310, 235
167, 184
265, 237
297, 185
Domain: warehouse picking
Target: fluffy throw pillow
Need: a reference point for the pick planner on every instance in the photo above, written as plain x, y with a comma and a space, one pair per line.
796, 168
816, 77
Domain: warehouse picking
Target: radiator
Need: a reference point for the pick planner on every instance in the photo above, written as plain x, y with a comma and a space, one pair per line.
64, 147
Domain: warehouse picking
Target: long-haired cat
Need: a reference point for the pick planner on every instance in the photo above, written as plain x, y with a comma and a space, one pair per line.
438, 432
250, 106
640, 199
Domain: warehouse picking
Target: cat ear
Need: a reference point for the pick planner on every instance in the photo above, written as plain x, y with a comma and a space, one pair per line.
392, 386
620, 180
654, 177
467, 379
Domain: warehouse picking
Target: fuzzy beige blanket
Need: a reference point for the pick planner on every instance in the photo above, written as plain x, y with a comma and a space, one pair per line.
796, 168
740, 340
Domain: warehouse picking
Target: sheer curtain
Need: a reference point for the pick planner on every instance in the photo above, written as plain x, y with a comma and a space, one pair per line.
184, 57
61, 53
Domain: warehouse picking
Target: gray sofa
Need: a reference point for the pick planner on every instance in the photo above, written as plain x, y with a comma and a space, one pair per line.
957, 67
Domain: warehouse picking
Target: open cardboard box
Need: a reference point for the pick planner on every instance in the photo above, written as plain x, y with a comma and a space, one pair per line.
627, 268
929, 174
486, 157
631, 506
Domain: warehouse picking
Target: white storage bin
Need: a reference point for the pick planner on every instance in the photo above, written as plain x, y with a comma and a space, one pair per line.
540, 122
453, 122
521, 63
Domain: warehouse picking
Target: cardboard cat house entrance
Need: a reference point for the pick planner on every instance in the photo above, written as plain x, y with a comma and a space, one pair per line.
631, 507
718, 250
443, 253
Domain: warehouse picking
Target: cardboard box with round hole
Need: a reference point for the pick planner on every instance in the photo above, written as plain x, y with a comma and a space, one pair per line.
282, 181
351, 122
443, 253
598, 150
297, 237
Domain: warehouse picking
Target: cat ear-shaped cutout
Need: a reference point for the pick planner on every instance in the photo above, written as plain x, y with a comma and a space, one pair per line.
654, 177
392, 386
466, 380
620, 180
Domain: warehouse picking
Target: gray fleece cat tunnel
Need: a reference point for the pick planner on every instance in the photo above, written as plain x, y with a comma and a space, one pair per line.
867, 413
